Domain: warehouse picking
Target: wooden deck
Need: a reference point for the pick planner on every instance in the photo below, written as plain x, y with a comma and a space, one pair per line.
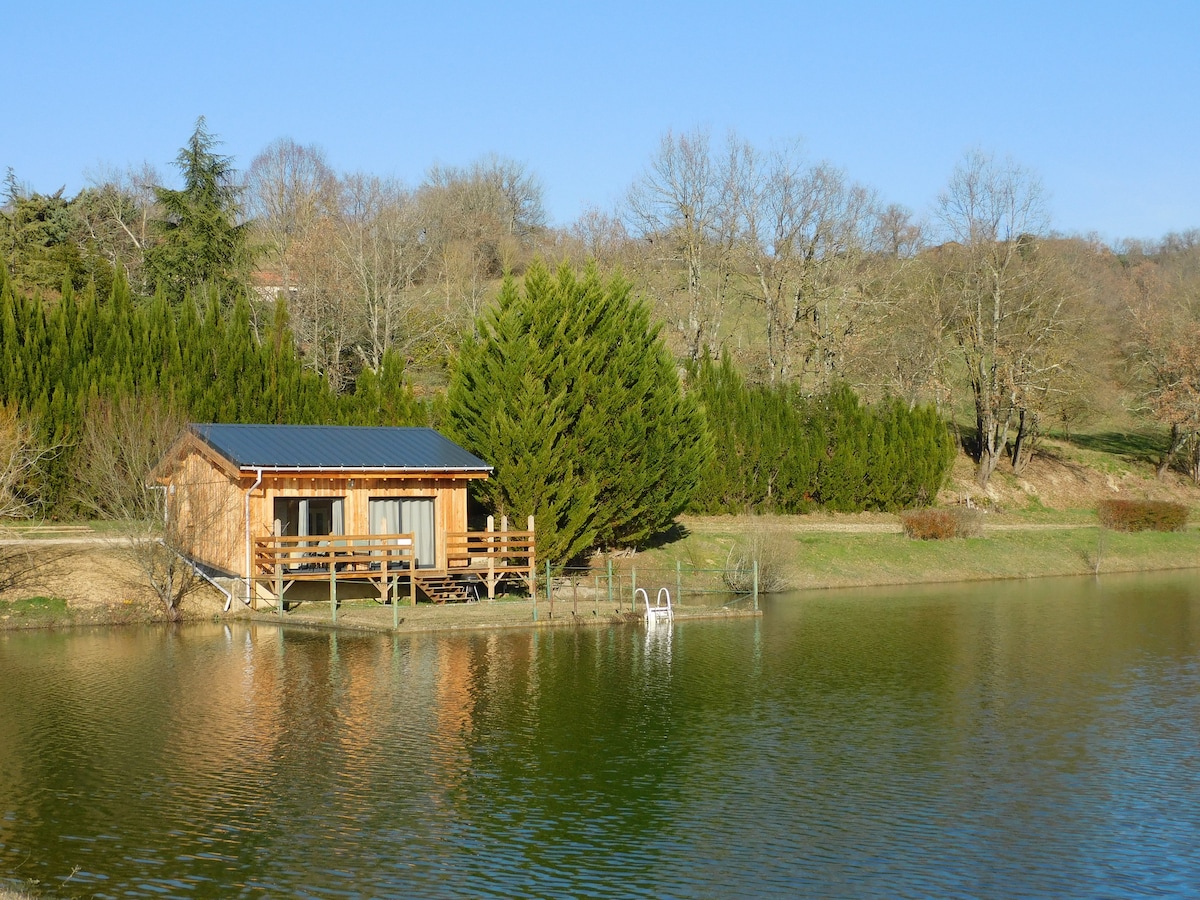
387, 562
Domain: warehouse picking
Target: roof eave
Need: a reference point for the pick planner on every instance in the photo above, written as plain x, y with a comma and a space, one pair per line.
370, 470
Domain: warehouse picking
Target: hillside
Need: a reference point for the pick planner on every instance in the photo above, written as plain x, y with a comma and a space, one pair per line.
1072, 474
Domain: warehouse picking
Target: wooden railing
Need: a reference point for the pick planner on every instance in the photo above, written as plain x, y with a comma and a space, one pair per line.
508, 549
493, 555
318, 556
490, 556
282, 560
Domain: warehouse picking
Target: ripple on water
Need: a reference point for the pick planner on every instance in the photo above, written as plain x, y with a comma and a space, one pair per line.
998, 743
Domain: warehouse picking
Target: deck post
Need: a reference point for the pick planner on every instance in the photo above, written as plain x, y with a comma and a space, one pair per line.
491, 558
278, 567
333, 586
412, 577
386, 586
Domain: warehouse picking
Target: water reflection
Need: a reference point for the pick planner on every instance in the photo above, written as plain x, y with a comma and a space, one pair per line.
1032, 739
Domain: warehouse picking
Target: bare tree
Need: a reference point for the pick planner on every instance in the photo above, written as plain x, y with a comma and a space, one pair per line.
1003, 306
117, 211
120, 445
809, 239
1162, 346
494, 191
289, 187
383, 249
600, 236
684, 210
324, 313
21, 457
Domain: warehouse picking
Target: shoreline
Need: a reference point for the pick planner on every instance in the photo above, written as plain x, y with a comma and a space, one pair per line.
90, 586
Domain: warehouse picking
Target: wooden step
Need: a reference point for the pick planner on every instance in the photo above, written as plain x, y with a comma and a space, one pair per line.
444, 588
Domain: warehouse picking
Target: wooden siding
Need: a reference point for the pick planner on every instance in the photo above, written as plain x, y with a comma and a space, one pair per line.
208, 500
206, 511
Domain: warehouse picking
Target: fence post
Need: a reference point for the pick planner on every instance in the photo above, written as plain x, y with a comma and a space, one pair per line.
678, 582
549, 589
531, 561
491, 557
633, 588
610, 586
756, 585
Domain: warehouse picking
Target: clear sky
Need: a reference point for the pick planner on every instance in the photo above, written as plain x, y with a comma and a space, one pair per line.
1101, 99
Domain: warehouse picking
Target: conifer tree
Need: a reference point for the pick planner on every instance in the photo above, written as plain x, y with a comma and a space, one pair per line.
201, 241
569, 392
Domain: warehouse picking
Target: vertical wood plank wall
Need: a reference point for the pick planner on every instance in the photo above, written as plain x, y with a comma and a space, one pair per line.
212, 501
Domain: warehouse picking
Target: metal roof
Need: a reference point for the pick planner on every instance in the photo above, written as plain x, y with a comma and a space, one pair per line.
338, 448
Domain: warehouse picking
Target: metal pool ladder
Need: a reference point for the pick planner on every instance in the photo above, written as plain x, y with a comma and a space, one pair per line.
661, 610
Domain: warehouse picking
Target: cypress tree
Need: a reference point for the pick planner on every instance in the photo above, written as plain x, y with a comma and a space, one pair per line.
569, 392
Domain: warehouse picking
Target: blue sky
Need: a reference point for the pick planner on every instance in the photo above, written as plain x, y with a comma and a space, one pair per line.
1101, 99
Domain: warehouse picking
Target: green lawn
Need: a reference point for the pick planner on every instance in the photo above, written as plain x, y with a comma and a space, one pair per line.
829, 559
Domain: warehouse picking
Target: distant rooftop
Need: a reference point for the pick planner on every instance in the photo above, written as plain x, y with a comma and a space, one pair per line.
338, 447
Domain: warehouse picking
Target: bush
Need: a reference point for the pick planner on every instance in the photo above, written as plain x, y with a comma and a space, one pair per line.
1142, 515
938, 524
770, 550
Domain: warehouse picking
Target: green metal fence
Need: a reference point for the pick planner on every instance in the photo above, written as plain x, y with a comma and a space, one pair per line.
612, 588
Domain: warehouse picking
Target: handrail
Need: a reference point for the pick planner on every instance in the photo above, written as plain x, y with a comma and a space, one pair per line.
317, 553
503, 550
660, 610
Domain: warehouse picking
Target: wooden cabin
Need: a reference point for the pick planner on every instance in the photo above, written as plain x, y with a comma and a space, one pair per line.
297, 512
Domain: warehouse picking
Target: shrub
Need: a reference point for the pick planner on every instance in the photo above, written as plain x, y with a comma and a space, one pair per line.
1142, 515
938, 524
769, 549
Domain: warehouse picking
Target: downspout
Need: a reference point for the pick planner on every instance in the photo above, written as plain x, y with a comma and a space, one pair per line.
249, 491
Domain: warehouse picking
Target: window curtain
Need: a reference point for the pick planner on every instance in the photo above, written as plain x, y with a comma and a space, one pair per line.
385, 516
416, 516
407, 516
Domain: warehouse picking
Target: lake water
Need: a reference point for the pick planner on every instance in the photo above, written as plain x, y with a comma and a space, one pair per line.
1033, 739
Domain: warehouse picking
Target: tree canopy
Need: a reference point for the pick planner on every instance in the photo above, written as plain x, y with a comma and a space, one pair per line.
202, 242
570, 393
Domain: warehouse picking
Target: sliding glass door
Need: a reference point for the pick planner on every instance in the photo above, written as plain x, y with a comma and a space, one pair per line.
407, 515
298, 516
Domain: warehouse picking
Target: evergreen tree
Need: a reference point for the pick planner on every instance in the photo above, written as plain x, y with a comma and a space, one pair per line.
383, 397
569, 392
200, 242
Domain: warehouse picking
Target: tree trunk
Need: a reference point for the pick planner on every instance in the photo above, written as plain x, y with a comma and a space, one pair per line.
992, 432
1023, 444
1178, 439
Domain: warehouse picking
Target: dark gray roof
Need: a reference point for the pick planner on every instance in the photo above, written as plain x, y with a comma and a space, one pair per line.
338, 447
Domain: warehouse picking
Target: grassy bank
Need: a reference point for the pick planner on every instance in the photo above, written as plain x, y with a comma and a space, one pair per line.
90, 585
871, 551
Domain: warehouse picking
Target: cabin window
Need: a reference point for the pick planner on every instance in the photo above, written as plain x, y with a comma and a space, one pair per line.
407, 515
310, 515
